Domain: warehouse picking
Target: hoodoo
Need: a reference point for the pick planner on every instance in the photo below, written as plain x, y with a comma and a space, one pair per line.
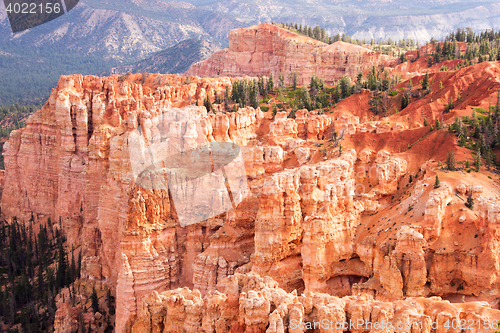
322, 205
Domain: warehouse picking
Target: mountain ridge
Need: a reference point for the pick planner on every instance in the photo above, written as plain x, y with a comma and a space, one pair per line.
174, 60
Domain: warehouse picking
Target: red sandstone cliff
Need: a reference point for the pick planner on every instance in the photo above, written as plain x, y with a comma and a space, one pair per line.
266, 49
336, 229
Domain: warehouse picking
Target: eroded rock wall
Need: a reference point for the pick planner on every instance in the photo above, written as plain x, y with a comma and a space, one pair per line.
266, 49
249, 303
307, 222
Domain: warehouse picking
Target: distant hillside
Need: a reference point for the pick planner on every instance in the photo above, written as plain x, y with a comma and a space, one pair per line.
176, 59
96, 36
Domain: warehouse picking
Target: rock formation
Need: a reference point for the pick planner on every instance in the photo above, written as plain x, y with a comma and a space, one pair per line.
249, 303
266, 49
310, 232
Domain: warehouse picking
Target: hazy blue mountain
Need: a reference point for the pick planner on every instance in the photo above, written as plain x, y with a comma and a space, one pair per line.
95, 36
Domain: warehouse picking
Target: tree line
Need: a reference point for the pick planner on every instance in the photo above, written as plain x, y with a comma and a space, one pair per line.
33, 72
480, 133
34, 267
320, 34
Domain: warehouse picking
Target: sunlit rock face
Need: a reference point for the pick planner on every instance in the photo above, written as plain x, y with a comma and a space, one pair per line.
266, 49
241, 222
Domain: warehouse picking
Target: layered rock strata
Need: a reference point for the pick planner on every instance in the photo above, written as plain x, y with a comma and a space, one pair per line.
249, 303
305, 222
266, 49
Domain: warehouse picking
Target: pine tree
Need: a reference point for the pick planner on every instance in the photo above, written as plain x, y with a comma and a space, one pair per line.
41, 282
488, 158
208, 104
226, 100
470, 201
426, 123
462, 141
456, 126
404, 101
79, 267
62, 265
345, 86
425, 82
437, 183
437, 124
274, 110
497, 106
281, 78
306, 99
95, 300
110, 301
373, 80
270, 84
263, 86
482, 145
386, 83
72, 268
254, 94
359, 78
450, 161
293, 79
477, 161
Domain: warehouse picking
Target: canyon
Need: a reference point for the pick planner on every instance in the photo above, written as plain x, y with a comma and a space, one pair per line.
318, 232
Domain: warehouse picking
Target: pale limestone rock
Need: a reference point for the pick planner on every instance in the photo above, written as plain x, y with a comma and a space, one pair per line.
435, 209
244, 303
365, 155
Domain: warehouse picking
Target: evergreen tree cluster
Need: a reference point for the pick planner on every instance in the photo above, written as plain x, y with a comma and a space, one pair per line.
450, 161
382, 86
378, 80
244, 92
247, 92
448, 51
480, 133
468, 35
317, 32
485, 46
320, 34
315, 96
34, 268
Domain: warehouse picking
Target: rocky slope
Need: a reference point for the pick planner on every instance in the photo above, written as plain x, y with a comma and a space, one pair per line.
174, 60
96, 36
265, 49
315, 234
